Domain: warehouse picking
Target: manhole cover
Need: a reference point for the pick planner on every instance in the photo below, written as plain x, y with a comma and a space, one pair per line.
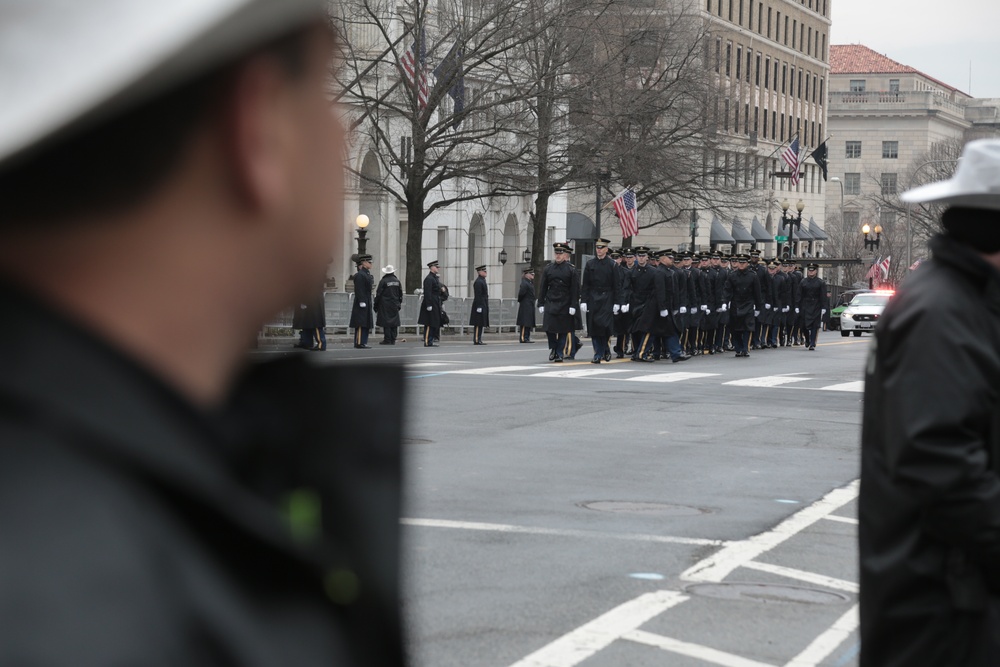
766, 593
416, 441
630, 507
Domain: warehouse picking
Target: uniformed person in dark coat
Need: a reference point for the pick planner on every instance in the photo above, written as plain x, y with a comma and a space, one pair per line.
623, 321
600, 299
710, 310
310, 319
780, 306
760, 270
479, 315
722, 332
742, 294
646, 294
362, 319
431, 305
167, 498
526, 306
388, 303
558, 296
812, 304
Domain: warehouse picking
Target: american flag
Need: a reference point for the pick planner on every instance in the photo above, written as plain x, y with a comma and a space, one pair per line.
875, 271
791, 157
624, 205
413, 62
884, 267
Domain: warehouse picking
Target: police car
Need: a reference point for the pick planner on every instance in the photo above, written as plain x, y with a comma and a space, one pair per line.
863, 312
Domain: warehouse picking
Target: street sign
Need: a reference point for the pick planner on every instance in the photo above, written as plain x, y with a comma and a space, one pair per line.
780, 239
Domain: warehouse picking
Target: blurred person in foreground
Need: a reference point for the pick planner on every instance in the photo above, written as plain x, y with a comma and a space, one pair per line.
930, 447
169, 179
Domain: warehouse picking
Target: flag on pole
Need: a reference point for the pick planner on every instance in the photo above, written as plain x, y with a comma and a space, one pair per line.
791, 157
449, 72
413, 62
624, 205
875, 271
821, 155
884, 268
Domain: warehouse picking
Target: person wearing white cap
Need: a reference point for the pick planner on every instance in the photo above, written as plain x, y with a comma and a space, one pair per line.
929, 507
388, 303
170, 179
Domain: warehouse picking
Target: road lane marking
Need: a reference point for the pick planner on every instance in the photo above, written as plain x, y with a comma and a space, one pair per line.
668, 377
857, 385
827, 643
766, 381
802, 575
559, 532
492, 370
841, 519
575, 647
703, 653
719, 565
579, 372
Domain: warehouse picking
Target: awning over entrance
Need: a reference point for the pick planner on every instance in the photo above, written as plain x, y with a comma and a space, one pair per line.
579, 226
803, 234
758, 232
817, 231
740, 232
719, 233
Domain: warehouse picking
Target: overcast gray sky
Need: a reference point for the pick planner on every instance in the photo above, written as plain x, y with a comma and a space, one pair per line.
938, 37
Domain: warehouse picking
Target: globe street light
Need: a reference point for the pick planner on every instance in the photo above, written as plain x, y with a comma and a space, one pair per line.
792, 222
362, 222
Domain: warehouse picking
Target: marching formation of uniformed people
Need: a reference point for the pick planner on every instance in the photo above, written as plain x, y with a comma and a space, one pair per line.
634, 302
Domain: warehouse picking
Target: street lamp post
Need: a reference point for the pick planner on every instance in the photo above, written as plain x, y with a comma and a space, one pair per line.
603, 176
362, 222
909, 186
792, 222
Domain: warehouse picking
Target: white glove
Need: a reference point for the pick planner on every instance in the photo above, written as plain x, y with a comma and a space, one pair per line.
756, 313
617, 308
664, 313
572, 310
796, 311
767, 306
479, 310
583, 308
785, 309
676, 311
708, 311
705, 308
822, 312
684, 310
625, 308
363, 304
724, 308
541, 309
430, 308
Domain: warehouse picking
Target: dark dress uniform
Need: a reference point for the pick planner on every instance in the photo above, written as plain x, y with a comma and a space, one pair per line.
430, 309
139, 529
762, 276
362, 319
780, 307
623, 320
310, 319
558, 292
722, 332
795, 328
742, 293
813, 305
479, 317
388, 303
525, 310
710, 316
601, 291
648, 294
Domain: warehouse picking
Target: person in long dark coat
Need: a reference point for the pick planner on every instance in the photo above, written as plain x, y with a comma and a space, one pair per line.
479, 315
388, 303
310, 319
431, 305
600, 299
812, 304
929, 506
526, 306
362, 318
722, 333
623, 321
779, 305
558, 295
742, 294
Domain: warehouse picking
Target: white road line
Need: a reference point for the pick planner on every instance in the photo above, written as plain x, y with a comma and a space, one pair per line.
857, 386
432, 364
575, 647
827, 643
766, 381
580, 372
494, 369
559, 532
841, 519
802, 575
703, 653
668, 377
719, 565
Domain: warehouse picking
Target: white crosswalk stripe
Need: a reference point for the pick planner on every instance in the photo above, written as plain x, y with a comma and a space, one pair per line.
669, 377
767, 381
579, 372
858, 386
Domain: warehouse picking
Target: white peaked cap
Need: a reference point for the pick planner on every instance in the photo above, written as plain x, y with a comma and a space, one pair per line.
67, 62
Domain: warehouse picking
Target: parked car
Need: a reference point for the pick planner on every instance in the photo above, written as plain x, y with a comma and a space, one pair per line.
845, 298
863, 312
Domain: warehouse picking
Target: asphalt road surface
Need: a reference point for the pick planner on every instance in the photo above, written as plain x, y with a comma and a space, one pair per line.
569, 514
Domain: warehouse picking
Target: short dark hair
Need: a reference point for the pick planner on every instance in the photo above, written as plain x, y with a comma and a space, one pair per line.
117, 163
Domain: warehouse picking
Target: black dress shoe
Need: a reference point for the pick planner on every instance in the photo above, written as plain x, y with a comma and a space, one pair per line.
552, 355
607, 356
619, 356
362, 347
681, 358
386, 342
557, 360
596, 359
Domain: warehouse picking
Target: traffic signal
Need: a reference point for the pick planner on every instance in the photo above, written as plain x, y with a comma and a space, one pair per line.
786, 251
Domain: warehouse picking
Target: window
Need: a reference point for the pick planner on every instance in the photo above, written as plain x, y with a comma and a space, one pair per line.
739, 61
765, 124
718, 53
852, 184
729, 57
768, 22
786, 31
890, 150
888, 184
795, 29
749, 58
852, 220
725, 114
888, 218
857, 85
821, 82
767, 74
756, 71
853, 150
809, 42
774, 125
784, 77
893, 85
760, 13
750, 15
741, 10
